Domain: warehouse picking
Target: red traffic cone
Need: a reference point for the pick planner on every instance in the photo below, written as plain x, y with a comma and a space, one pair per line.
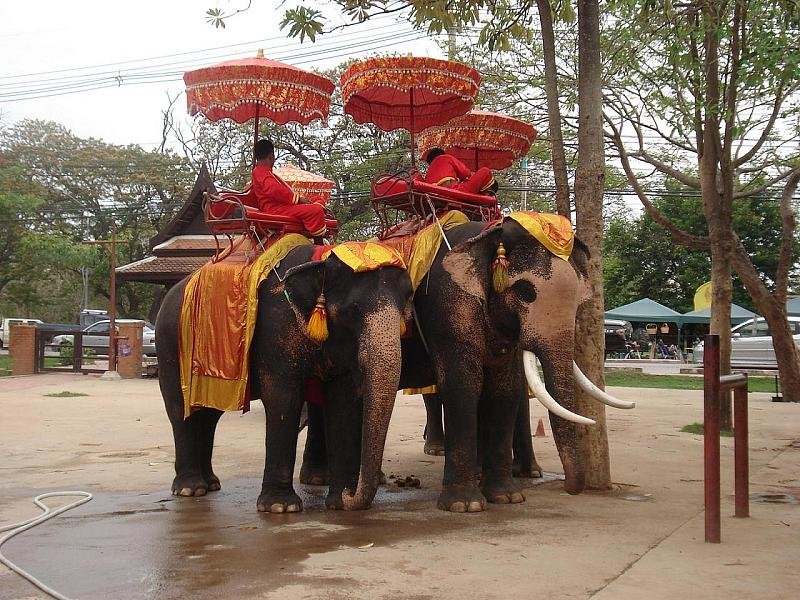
540, 429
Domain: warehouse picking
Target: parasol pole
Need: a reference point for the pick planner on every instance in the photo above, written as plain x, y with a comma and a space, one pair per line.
255, 135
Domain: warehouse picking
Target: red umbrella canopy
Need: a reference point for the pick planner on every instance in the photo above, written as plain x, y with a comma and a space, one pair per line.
314, 187
481, 139
257, 87
408, 92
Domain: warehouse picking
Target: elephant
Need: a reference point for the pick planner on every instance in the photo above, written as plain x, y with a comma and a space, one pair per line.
480, 346
358, 366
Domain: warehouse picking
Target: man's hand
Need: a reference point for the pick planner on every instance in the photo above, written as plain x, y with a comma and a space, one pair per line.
303, 200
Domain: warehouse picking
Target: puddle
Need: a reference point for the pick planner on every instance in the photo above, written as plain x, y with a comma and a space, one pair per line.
774, 498
637, 497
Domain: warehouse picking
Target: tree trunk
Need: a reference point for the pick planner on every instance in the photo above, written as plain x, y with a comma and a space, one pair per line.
589, 182
558, 156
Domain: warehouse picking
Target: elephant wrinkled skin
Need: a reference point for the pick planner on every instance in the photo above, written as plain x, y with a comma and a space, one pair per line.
358, 365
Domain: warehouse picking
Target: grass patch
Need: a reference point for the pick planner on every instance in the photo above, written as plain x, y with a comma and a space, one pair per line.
677, 382
66, 394
5, 363
697, 429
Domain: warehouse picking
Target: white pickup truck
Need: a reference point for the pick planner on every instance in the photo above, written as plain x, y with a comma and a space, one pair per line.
5, 329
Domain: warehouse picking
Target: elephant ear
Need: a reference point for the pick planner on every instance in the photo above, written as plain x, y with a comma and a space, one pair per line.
303, 285
579, 259
469, 263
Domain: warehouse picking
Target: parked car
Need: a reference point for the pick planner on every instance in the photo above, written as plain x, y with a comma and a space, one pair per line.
95, 336
751, 344
5, 329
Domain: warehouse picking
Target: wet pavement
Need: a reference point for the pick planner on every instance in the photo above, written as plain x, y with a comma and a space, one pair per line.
642, 539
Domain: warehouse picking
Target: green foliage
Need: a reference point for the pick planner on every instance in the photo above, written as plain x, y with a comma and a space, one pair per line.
699, 429
59, 190
66, 394
641, 261
304, 22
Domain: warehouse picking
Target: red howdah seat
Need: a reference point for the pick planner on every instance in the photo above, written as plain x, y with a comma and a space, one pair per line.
417, 198
232, 213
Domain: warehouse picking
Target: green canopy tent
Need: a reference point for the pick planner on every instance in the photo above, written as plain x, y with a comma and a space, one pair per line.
647, 311
738, 315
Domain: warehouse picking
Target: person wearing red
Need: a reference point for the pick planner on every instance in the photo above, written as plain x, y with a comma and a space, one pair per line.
274, 196
448, 171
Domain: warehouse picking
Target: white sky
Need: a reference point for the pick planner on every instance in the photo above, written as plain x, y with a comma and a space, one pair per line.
37, 36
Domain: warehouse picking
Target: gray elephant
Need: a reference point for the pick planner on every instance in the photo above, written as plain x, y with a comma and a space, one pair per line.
358, 366
480, 344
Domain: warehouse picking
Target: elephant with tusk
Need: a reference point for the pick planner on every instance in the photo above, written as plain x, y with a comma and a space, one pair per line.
479, 340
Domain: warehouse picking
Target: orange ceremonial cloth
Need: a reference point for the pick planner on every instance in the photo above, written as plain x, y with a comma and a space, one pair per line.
362, 256
217, 320
553, 231
419, 249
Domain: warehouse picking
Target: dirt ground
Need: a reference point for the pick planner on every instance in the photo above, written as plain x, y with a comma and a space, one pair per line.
134, 540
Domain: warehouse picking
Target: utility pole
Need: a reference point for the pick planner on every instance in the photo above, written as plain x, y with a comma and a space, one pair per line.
112, 309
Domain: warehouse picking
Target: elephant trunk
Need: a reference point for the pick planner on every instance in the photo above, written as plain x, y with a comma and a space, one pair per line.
558, 396
379, 360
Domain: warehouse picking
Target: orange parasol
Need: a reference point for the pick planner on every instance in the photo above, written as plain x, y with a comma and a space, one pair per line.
252, 88
407, 92
314, 187
481, 139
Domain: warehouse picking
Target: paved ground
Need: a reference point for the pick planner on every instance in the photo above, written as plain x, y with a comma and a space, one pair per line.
642, 540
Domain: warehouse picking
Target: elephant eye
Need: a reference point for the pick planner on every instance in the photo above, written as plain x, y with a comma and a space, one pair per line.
524, 290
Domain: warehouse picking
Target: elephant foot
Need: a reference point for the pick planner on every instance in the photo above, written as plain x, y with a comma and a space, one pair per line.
531, 470
502, 492
189, 485
333, 501
212, 482
461, 498
434, 447
314, 474
279, 502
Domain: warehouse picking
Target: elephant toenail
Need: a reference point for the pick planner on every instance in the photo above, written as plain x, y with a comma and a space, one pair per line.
277, 508
200, 492
517, 497
185, 492
458, 507
501, 499
293, 508
475, 506
261, 508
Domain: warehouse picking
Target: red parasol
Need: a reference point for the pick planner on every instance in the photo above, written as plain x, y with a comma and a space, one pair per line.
481, 139
257, 87
407, 92
314, 187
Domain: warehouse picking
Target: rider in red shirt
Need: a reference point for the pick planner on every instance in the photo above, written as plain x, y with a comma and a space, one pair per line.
448, 171
274, 196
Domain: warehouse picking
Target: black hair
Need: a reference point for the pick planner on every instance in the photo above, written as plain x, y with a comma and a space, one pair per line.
432, 153
263, 149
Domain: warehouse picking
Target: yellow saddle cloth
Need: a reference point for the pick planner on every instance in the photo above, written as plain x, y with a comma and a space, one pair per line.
419, 249
217, 319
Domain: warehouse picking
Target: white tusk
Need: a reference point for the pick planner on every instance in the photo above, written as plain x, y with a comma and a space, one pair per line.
543, 396
595, 392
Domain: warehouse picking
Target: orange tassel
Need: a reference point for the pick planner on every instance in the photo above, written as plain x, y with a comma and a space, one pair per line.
500, 270
317, 328
403, 326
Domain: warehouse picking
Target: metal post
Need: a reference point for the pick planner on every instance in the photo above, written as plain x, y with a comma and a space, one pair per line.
711, 410
740, 452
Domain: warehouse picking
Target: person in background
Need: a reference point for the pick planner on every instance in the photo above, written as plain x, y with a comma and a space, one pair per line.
447, 171
274, 196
